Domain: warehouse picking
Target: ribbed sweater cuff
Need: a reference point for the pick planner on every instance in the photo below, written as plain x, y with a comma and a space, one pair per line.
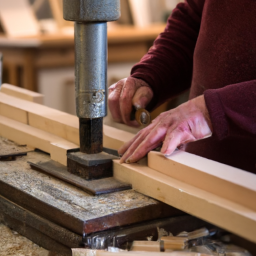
217, 113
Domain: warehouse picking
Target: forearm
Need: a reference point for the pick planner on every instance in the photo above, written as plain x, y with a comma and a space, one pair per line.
232, 109
167, 67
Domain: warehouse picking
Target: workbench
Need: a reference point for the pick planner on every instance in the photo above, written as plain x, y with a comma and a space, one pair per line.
59, 216
24, 56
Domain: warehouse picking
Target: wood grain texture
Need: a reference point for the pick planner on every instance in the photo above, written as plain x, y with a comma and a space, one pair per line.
58, 123
22, 93
59, 150
35, 138
217, 210
219, 179
45, 118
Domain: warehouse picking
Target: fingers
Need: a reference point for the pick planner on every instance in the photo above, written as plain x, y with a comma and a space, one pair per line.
126, 99
127, 149
175, 138
126, 93
142, 97
115, 91
149, 139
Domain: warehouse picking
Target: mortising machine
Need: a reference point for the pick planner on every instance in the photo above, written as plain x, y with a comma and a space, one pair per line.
60, 216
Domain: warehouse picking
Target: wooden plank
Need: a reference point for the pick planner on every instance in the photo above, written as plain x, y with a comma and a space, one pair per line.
14, 113
45, 118
22, 93
61, 124
222, 180
59, 150
202, 204
35, 138
114, 138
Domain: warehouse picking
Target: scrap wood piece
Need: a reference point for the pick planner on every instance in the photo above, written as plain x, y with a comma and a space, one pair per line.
56, 122
72, 208
222, 180
173, 243
202, 204
94, 187
22, 93
11, 213
149, 246
124, 236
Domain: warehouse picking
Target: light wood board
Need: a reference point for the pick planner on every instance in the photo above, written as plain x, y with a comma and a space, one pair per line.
222, 180
35, 138
202, 204
22, 93
56, 122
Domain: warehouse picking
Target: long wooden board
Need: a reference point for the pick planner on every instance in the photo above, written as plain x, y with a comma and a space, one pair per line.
22, 93
56, 122
202, 204
35, 138
222, 180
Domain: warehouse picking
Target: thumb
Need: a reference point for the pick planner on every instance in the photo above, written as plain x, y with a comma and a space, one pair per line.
142, 97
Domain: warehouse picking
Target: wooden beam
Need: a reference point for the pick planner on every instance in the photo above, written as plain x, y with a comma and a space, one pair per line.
219, 179
44, 118
22, 93
35, 138
11, 112
114, 138
58, 151
58, 123
202, 204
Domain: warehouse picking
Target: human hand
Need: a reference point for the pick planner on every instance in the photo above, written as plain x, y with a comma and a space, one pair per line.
186, 123
125, 94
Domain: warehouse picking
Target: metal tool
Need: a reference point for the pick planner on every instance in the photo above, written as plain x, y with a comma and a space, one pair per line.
141, 115
91, 18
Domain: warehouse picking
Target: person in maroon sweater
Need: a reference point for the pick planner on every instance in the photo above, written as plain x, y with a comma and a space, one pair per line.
210, 47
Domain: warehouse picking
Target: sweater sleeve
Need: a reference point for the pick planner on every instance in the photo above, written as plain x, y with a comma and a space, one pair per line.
167, 67
232, 110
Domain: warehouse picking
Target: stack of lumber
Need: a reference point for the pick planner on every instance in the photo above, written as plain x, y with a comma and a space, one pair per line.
25, 121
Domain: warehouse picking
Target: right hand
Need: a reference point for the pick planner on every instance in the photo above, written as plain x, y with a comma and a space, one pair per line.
126, 93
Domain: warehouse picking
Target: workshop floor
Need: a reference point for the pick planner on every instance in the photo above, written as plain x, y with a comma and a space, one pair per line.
13, 244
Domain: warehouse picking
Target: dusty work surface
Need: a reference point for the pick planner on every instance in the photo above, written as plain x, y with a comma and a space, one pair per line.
9, 147
71, 207
13, 244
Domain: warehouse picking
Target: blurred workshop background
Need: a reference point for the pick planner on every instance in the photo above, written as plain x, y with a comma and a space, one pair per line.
38, 48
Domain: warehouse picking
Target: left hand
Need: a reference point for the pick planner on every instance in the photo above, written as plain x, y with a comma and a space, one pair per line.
186, 123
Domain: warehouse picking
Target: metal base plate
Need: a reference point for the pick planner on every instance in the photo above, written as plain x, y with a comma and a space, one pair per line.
90, 166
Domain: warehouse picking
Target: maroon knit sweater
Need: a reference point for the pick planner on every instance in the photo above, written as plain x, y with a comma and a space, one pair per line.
210, 47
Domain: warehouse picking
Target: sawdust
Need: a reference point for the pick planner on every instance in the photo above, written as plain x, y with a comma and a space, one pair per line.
10, 147
13, 244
